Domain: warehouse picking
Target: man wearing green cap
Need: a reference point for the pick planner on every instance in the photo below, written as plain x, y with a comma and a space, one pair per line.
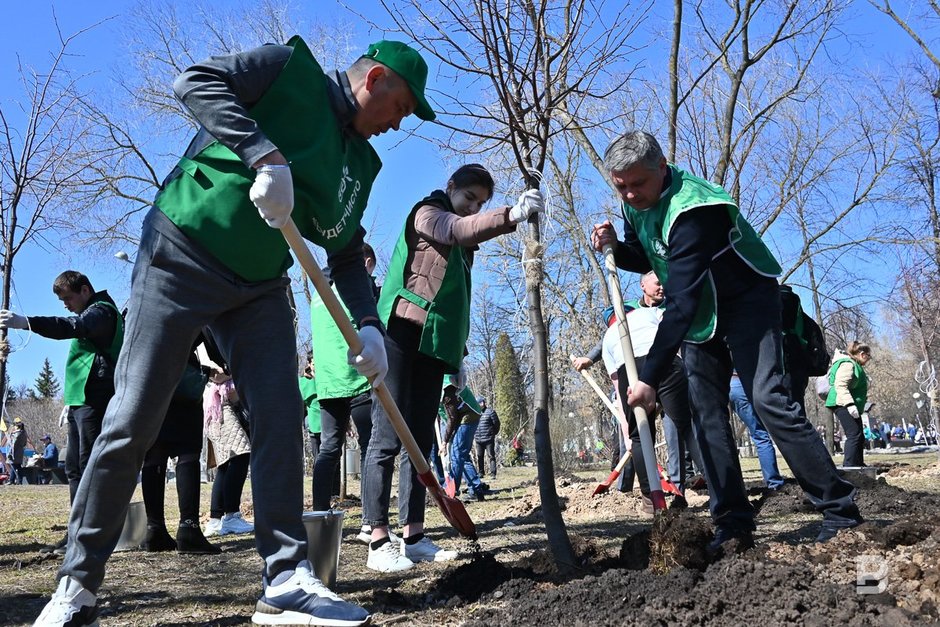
279, 139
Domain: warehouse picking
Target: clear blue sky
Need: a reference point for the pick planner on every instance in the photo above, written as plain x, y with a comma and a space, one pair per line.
412, 166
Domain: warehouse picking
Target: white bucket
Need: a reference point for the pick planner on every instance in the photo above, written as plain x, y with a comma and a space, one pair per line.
135, 527
324, 537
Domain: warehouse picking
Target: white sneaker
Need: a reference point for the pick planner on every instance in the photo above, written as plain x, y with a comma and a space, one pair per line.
388, 559
213, 527
302, 599
234, 523
365, 537
426, 551
70, 606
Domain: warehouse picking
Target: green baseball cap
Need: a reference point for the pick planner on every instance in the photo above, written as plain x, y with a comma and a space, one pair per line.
407, 63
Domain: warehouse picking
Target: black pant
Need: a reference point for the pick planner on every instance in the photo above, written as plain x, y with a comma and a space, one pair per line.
484, 448
84, 428
854, 437
673, 393
748, 339
227, 486
414, 381
334, 420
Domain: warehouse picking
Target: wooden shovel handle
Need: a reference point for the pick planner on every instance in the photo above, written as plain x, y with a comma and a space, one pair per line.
309, 264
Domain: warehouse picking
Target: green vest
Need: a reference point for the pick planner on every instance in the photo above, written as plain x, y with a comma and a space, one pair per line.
332, 173
335, 377
653, 227
447, 327
858, 387
308, 392
82, 356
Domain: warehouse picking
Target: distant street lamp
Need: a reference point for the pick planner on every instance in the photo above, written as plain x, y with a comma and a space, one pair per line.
123, 256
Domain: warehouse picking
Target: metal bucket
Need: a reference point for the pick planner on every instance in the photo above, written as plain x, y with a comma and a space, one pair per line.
135, 527
324, 537
353, 461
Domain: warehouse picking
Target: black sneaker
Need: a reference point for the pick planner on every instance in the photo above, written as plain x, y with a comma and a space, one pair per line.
472, 496
301, 599
158, 539
743, 540
829, 530
189, 540
56, 549
71, 605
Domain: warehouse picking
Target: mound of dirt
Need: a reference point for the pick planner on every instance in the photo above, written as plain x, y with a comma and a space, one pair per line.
737, 590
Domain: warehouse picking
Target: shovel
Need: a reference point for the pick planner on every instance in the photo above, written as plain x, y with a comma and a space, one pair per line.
626, 346
604, 485
453, 510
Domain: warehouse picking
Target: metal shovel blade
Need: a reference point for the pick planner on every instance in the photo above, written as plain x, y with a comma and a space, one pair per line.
453, 510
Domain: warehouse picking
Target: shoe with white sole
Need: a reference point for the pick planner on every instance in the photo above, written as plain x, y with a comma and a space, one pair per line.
365, 537
234, 524
426, 551
302, 599
388, 559
213, 527
71, 605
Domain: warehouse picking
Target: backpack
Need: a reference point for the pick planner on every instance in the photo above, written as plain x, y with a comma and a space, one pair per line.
804, 344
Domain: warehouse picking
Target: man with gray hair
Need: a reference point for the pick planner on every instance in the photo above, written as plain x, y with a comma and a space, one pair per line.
723, 310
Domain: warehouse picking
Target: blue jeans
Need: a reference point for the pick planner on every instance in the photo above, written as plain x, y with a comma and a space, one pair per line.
436, 464
177, 289
460, 463
748, 335
766, 454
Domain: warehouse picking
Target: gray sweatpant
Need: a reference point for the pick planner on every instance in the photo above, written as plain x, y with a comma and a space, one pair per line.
176, 290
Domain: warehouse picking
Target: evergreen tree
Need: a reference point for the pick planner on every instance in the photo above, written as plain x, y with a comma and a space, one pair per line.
510, 402
47, 386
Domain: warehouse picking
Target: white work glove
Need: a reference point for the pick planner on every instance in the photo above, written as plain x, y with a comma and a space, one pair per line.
460, 379
530, 202
372, 362
273, 194
853, 410
10, 320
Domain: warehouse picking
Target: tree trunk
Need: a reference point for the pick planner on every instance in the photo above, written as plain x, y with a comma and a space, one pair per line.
558, 541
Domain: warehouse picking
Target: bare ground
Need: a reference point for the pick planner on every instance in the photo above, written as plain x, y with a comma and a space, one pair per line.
623, 578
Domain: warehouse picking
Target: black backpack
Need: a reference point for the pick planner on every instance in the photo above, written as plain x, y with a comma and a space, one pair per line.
804, 345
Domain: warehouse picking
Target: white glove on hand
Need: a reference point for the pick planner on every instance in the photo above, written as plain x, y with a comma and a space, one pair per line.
460, 379
273, 194
530, 202
853, 410
372, 362
10, 320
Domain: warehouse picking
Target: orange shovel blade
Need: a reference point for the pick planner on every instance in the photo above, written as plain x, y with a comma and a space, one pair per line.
604, 485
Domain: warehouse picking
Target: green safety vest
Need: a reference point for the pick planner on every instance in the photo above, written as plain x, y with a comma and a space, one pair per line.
653, 227
82, 356
858, 388
308, 392
335, 377
447, 327
332, 174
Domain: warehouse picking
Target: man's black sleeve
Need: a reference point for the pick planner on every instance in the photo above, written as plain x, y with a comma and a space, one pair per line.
629, 254
697, 236
348, 271
96, 323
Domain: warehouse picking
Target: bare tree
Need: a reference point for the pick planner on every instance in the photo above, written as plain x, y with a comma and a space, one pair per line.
929, 11
43, 166
530, 62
